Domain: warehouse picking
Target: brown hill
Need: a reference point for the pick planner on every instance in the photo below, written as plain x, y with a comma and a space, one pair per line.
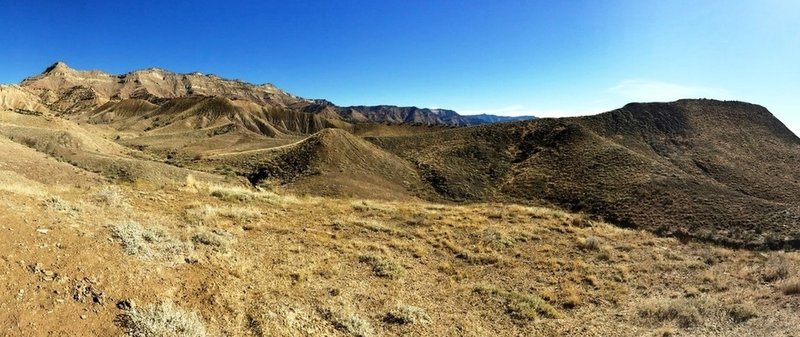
330, 162
200, 112
85, 149
727, 172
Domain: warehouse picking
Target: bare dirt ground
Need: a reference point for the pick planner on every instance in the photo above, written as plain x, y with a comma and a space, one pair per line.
228, 261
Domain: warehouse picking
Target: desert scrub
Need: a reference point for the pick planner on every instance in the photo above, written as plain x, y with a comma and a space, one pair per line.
162, 320
239, 194
777, 268
147, 242
110, 195
206, 214
741, 313
497, 240
684, 312
60, 205
407, 314
233, 193
791, 287
382, 266
350, 323
590, 243
217, 239
477, 258
522, 306
366, 206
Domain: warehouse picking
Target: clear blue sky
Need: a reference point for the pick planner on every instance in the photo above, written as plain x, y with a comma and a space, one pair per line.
548, 58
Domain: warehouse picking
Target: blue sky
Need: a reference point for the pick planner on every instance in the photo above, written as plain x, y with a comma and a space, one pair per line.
547, 58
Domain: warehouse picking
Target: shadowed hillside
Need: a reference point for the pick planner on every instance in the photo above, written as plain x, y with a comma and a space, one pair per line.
720, 171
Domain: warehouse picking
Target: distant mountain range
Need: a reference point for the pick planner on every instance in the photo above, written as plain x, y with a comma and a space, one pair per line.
62, 89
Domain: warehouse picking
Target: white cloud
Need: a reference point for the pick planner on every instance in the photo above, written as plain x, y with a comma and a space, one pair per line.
641, 90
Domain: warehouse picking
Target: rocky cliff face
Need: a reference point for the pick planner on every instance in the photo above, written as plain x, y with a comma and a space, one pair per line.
70, 91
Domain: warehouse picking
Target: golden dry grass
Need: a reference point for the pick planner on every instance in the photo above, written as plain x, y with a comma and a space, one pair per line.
301, 266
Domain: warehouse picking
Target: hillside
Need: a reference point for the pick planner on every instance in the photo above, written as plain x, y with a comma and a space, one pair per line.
726, 172
331, 162
91, 257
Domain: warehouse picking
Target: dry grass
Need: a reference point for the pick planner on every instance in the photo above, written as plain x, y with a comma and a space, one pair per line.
162, 320
742, 312
58, 204
684, 312
205, 214
351, 323
148, 243
383, 266
243, 195
791, 287
217, 239
14, 183
111, 196
777, 268
239, 194
292, 262
524, 306
408, 314
591, 243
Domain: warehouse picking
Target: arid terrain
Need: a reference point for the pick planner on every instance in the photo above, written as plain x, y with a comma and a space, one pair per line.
162, 204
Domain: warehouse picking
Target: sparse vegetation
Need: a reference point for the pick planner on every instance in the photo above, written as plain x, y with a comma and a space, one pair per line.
591, 243
217, 239
228, 193
791, 287
777, 268
239, 194
111, 196
162, 320
684, 312
743, 312
408, 314
351, 324
58, 204
147, 243
524, 306
382, 266
206, 214
477, 258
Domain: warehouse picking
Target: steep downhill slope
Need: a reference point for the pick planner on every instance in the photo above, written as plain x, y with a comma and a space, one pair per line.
727, 172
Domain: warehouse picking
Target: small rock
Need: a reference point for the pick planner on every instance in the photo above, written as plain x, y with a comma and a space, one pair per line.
83, 316
42, 230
